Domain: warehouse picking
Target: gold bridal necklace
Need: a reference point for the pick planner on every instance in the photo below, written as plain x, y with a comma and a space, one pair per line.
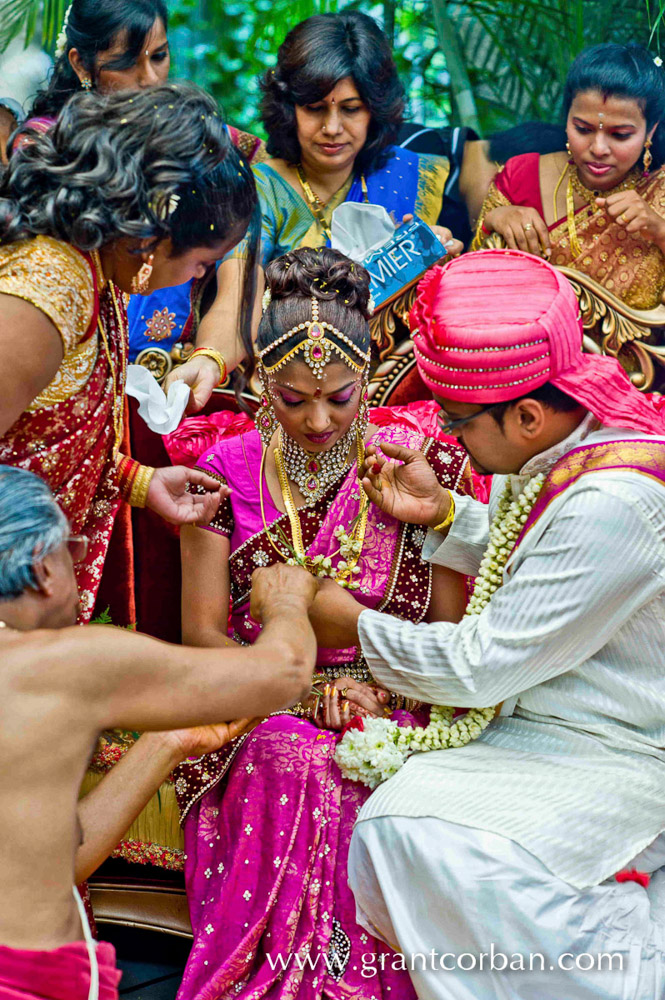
353, 540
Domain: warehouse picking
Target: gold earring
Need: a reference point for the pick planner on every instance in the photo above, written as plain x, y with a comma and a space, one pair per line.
86, 83
569, 151
141, 281
648, 157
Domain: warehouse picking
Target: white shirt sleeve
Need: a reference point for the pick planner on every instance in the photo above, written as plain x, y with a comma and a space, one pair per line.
464, 545
566, 597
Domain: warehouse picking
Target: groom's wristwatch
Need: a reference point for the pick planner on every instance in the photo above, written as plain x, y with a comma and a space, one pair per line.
450, 516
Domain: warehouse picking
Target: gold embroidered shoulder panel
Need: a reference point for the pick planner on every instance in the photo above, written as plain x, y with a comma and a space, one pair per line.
55, 278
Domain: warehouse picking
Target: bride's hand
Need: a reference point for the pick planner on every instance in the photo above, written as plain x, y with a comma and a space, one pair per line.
346, 698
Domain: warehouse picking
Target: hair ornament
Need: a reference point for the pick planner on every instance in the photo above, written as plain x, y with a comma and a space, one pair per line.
165, 204
267, 299
61, 40
658, 61
371, 306
316, 346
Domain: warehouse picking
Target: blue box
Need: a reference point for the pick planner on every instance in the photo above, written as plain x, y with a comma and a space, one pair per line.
402, 261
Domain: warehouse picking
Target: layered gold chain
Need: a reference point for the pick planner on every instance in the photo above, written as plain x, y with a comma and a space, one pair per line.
315, 203
359, 527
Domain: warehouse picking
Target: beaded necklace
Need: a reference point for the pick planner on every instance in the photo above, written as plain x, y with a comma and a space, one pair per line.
313, 473
351, 544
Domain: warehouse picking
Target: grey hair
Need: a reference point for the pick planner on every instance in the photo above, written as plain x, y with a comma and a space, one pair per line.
31, 527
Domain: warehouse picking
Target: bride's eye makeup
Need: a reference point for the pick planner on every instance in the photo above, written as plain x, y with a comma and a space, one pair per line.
289, 400
341, 398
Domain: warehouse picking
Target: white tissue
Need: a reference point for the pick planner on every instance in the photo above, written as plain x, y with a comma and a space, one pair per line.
161, 413
359, 229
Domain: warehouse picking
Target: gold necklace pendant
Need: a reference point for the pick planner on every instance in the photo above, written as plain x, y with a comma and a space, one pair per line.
359, 526
317, 206
589, 195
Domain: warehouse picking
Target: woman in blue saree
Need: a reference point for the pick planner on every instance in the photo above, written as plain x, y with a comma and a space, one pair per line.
332, 107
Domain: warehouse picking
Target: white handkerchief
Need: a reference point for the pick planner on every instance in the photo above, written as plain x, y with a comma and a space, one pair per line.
358, 229
161, 413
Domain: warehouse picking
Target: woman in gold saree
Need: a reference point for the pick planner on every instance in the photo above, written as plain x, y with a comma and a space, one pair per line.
599, 207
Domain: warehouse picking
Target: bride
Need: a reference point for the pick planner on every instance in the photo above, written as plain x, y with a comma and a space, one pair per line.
268, 819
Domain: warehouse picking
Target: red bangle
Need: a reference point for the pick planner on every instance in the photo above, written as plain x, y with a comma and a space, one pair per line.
127, 469
488, 232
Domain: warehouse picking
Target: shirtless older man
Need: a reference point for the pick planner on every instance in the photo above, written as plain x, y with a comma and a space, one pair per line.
59, 687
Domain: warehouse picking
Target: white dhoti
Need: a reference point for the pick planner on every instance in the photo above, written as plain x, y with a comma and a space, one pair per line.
477, 917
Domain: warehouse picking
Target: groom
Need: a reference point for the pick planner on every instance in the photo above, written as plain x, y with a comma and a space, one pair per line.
491, 867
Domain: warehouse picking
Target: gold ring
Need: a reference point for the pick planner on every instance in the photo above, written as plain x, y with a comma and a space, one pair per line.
528, 226
622, 217
343, 692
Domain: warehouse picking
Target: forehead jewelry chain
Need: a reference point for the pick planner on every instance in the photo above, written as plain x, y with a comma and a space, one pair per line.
317, 347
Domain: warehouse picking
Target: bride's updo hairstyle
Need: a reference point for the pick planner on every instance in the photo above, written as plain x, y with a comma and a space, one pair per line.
342, 290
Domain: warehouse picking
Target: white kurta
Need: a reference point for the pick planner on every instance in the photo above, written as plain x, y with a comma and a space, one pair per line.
476, 917
576, 637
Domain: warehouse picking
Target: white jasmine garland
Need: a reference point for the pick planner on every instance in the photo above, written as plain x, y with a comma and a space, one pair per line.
349, 550
61, 40
375, 752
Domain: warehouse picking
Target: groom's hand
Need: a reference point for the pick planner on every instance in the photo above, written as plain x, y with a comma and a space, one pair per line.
410, 492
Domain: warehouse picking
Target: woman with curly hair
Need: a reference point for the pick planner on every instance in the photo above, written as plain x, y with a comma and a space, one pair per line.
123, 194
268, 820
332, 108
108, 45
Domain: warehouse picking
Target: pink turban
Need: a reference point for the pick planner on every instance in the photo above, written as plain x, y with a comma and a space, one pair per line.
492, 326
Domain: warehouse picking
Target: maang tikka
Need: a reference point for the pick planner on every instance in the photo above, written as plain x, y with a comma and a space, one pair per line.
317, 349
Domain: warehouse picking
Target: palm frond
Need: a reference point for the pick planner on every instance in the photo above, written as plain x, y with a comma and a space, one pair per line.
518, 52
20, 17
14, 17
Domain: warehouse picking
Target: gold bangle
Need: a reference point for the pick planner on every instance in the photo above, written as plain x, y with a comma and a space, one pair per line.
210, 352
140, 486
450, 516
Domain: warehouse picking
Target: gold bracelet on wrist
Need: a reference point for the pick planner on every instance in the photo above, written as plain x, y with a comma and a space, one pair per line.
210, 352
450, 516
140, 486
